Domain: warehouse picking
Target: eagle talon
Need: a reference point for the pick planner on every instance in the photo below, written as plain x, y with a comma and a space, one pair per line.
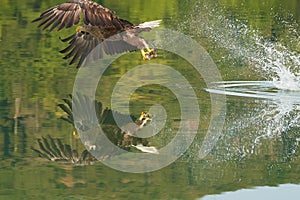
151, 53
147, 56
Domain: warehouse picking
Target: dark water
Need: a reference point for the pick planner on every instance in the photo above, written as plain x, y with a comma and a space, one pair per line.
258, 145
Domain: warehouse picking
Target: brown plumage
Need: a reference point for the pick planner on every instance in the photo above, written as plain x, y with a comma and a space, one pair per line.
100, 25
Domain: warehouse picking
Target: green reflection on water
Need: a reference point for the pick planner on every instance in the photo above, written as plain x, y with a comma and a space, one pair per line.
33, 71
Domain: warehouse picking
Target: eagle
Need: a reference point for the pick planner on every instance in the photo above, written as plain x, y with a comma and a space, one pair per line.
100, 26
123, 134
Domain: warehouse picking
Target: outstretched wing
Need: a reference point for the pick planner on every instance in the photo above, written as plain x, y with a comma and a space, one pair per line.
68, 14
83, 46
80, 45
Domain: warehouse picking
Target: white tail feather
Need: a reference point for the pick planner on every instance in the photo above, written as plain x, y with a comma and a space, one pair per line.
151, 24
144, 149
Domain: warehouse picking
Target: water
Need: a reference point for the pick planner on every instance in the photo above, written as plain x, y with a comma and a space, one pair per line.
257, 54
275, 58
260, 193
276, 113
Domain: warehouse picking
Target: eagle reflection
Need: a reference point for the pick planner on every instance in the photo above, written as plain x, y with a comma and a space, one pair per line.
122, 135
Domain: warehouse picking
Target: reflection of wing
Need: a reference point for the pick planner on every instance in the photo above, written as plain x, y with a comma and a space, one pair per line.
85, 106
68, 14
53, 149
82, 43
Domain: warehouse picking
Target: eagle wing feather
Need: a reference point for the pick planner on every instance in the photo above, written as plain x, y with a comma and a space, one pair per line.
67, 14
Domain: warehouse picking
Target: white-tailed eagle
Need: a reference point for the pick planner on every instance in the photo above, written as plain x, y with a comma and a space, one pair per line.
100, 25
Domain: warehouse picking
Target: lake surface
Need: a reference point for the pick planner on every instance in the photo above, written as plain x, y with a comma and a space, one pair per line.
240, 109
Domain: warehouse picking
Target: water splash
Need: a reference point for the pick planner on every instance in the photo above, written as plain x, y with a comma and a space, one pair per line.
262, 117
277, 60
274, 59
280, 64
279, 109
